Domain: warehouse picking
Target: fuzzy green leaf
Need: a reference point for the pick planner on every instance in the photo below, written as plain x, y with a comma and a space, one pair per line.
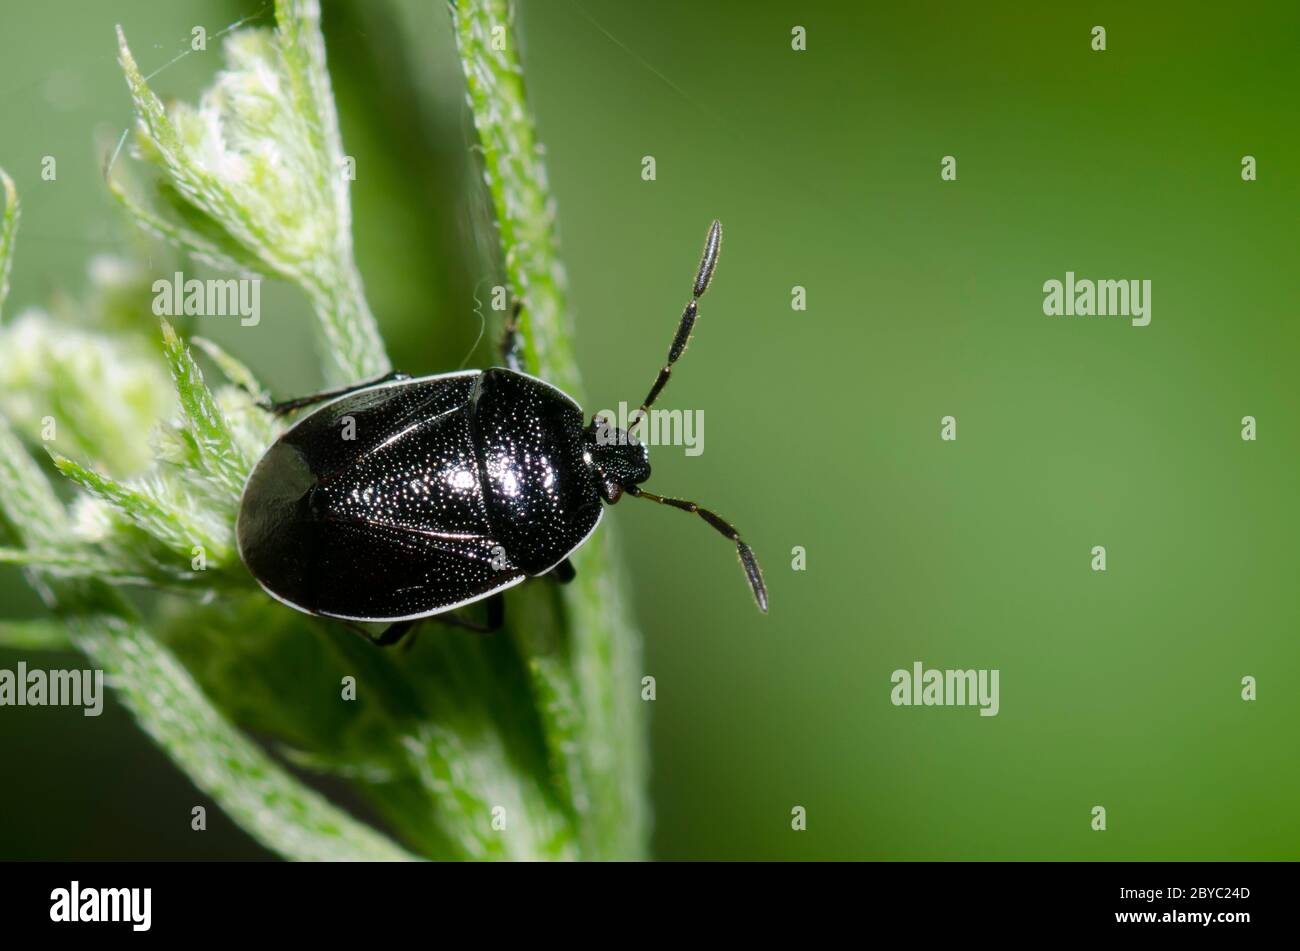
178, 224
83, 392
81, 563
258, 165
176, 527
132, 568
8, 228
217, 449
34, 514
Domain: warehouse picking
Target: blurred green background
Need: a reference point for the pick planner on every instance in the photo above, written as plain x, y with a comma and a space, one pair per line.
1119, 689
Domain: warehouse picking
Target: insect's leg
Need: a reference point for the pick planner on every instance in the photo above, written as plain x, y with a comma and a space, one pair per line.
564, 572
753, 574
496, 616
709, 260
510, 340
496, 612
289, 406
392, 634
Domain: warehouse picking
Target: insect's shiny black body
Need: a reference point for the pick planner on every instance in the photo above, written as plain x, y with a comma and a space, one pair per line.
453, 487
401, 498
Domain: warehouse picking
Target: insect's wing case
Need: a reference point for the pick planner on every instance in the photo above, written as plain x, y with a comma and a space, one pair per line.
387, 525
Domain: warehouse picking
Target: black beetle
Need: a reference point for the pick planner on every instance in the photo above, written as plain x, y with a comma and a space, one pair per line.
402, 499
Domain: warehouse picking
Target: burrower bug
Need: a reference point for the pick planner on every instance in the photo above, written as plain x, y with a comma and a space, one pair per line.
401, 499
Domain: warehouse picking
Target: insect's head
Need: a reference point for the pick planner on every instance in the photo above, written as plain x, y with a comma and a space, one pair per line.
620, 461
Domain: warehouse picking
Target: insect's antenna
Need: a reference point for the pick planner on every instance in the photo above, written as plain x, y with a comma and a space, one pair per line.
747, 560
709, 260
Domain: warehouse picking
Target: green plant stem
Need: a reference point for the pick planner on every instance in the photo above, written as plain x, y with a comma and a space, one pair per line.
355, 351
350, 330
41, 634
589, 696
9, 214
516, 179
